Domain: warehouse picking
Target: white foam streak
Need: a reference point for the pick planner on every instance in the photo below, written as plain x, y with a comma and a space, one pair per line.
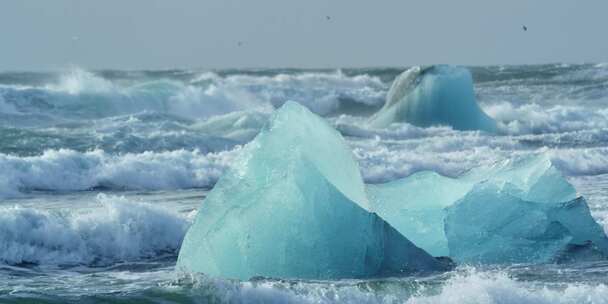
68, 170
591, 161
534, 118
491, 287
451, 155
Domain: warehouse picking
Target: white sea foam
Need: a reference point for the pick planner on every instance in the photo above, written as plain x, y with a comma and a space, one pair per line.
498, 287
82, 94
322, 93
76, 80
452, 154
118, 230
463, 287
534, 118
68, 170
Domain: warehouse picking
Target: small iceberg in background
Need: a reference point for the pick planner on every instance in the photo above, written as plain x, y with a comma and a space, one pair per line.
519, 210
434, 95
293, 205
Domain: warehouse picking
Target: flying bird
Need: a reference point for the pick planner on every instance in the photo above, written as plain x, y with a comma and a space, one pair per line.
328, 18
525, 28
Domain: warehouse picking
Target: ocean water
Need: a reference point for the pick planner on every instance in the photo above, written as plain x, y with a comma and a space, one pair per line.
101, 173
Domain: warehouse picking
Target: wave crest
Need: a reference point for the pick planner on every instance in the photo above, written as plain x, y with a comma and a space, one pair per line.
69, 170
118, 231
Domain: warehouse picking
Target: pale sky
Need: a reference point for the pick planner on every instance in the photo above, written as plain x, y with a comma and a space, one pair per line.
153, 34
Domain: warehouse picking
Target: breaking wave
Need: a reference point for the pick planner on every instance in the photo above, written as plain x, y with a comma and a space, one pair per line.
537, 119
82, 95
69, 170
79, 94
117, 231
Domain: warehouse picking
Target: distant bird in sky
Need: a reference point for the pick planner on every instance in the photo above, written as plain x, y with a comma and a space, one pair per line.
328, 17
240, 43
525, 28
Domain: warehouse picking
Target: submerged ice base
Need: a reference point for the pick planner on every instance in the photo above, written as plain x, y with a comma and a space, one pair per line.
434, 95
294, 205
520, 210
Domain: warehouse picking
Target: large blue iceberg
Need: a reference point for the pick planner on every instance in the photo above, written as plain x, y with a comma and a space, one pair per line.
434, 95
519, 210
293, 205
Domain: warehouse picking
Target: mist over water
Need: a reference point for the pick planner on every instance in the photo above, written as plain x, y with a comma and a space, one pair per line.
101, 173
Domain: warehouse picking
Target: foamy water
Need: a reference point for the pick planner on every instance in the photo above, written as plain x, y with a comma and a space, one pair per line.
101, 173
